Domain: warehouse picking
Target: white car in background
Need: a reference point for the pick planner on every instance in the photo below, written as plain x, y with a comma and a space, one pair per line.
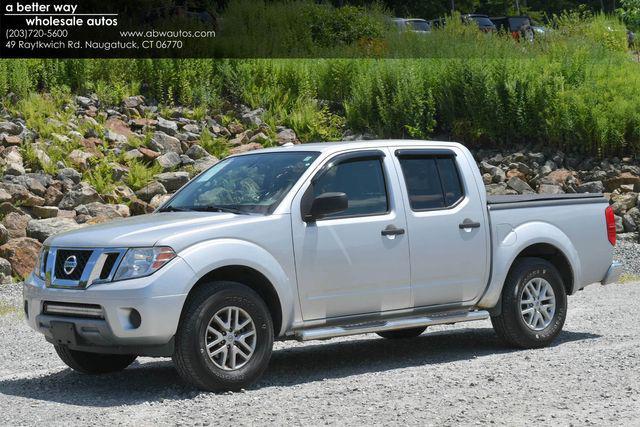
414, 25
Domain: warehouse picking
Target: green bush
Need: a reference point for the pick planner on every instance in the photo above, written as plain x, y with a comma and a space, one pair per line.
576, 89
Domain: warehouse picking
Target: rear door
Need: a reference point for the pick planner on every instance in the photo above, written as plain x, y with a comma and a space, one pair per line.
448, 234
356, 261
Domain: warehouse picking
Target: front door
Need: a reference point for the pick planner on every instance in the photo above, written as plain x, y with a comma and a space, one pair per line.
345, 263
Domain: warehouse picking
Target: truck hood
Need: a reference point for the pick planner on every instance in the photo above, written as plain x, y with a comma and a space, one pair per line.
144, 230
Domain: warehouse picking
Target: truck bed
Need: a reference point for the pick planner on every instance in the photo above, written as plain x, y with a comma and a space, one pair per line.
536, 200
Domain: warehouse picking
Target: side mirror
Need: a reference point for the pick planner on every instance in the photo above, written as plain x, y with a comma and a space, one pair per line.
326, 204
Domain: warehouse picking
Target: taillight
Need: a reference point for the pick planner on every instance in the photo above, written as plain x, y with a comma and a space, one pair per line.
611, 225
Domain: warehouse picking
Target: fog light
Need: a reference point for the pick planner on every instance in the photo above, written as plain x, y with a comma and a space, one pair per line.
134, 318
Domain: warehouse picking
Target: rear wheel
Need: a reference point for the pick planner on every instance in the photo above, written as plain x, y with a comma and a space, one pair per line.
93, 363
402, 333
225, 337
534, 305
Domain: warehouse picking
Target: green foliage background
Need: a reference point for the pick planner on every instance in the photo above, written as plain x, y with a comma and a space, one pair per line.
577, 89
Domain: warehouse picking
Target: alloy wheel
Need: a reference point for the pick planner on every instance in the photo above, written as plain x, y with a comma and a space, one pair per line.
537, 304
230, 338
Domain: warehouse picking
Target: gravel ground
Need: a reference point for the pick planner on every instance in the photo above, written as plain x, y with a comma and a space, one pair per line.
629, 253
450, 375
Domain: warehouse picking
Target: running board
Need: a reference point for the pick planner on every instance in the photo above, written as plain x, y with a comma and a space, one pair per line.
325, 332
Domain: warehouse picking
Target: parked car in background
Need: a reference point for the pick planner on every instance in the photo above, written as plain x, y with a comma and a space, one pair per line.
482, 21
413, 25
520, 27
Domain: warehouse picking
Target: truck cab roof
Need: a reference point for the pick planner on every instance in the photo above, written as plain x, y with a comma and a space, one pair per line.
334, 147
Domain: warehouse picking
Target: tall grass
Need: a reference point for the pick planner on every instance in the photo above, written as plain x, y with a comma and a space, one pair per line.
576, 89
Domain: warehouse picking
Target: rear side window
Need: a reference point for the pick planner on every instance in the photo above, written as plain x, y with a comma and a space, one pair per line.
362, 180
432, 182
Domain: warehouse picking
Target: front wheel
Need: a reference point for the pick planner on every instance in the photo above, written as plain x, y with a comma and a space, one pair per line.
93, 363
225, 337
534, 305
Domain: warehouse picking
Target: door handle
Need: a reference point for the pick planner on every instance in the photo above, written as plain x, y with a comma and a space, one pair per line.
391, 230
467, 223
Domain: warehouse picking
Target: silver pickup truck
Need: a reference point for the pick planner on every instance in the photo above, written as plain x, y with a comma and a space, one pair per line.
313, 242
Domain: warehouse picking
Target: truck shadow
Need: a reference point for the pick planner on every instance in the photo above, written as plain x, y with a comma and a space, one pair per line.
304, 363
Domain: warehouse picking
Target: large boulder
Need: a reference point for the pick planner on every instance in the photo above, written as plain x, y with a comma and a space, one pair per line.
499, 189
5, 271
623, 178
43, 212
164, 143
52, 196
252, 117
10, 128
152, 189
20, 195
82, 194
205, 163
22, 253
41, 229
172, 181
196, 152
169, 161
4, 235
16, 224
286, 136
245, 148
557, 177
69, 174
159, 199
167, 126
591, 187
80, 159
497, 174
550, 189
623, 202
519, 185
631, 220
32, 182
102, 210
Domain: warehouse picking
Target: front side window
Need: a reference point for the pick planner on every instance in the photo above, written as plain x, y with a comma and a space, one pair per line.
432, 182
254, 183
362, 180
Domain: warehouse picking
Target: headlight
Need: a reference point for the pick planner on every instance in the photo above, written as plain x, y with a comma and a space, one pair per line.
38, 271
141, 262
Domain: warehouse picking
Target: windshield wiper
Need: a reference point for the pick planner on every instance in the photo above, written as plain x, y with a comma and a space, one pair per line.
218, 209
173, 209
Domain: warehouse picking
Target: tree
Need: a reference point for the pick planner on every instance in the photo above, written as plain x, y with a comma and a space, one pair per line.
630, 13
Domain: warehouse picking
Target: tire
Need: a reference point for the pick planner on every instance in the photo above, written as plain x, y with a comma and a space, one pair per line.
93, 363
511, 324
402, 333
221, 372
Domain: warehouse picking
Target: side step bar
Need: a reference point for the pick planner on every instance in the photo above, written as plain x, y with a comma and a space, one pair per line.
326, 332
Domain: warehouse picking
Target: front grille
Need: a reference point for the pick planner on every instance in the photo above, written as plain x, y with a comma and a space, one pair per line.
63, 256
108, 265
67, 309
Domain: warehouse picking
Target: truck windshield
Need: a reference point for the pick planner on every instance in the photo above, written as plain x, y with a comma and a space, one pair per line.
253, 183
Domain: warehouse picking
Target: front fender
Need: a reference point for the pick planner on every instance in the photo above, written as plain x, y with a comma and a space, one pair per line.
207, 256
509, 242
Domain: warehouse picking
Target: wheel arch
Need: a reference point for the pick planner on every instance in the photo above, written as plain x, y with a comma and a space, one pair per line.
247, 276
534, 239
246, 262
555, 256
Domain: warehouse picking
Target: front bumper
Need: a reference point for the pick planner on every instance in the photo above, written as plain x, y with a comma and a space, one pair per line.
158, 299
613, 273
